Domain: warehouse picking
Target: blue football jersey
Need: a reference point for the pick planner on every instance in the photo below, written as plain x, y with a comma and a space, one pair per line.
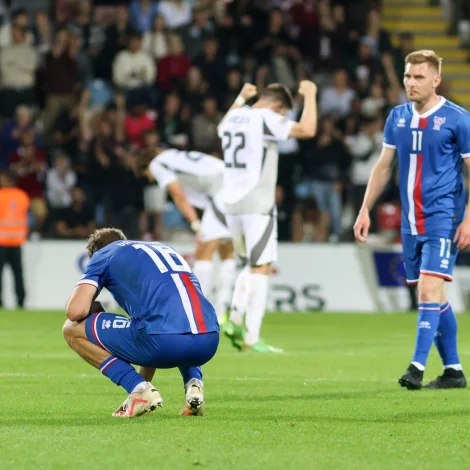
430, 149
153, 284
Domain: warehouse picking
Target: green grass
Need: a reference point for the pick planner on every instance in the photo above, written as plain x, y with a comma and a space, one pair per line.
331, 402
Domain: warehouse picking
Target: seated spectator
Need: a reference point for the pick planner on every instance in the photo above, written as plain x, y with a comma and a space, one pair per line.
43, 32
274, 34
58, 78
76, 221
90, 34
211, 64
172, 123
195, 33
194, 90
204, 128
374, 104
139, 120
29, 164
18, 63
176, 13
173, 68
336, 100
155, 41
60, 179
141, 14
281, 69
134, 70
11, 132
233, 86
18, 18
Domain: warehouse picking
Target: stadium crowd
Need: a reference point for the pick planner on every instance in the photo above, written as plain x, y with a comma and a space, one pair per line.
84, 86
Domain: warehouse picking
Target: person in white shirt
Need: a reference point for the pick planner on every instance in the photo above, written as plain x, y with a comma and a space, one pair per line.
176, 13
249, 142
59, 182
194, 180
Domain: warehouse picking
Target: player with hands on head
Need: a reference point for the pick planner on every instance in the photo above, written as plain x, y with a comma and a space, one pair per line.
431, 137
249, 141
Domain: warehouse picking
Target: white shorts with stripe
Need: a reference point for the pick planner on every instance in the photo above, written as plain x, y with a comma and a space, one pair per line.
213, 222
254, 237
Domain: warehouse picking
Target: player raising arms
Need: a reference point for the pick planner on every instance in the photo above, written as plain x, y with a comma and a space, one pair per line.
171, 323
249, 141
195, 179
431, 137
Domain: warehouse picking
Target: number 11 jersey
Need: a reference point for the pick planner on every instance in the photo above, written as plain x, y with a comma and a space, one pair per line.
249, 142
430, 148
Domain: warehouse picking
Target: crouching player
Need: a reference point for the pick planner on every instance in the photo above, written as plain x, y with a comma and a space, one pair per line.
171, 323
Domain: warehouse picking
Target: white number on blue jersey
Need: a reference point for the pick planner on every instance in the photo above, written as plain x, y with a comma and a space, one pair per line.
168, 254
417, 140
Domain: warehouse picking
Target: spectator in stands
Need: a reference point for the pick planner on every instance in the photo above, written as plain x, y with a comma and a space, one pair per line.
43, 32
326, 164
176, 13
172, 123
281, 69
197, 31
90, 33
134, 70
233, 86
374, 104
18, 63
10, 136
155, 41
60, 180
365, 148
173, 68
14, 203
375, 32
405, 46
141, 14
204, 128
195, 88
20, 19
29, 165
58, 79
274, 34
336, 100
139, 120
75, 221
211, 64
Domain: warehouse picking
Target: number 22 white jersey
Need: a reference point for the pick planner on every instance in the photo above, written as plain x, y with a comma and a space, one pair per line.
249, 141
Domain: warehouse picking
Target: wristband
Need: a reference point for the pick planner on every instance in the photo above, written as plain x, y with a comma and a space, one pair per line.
196, 225
240, 101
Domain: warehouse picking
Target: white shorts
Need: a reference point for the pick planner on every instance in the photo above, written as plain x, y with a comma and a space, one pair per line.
213, 223
154, 199
254, 237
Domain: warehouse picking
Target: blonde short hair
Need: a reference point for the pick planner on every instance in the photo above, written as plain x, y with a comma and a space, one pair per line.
420, 57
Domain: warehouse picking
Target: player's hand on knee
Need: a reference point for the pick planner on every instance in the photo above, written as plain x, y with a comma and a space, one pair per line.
361, 227
462, 235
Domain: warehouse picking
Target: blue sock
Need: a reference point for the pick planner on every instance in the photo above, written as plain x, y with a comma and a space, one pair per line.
446, 337
189, 373
428, 321
121, 373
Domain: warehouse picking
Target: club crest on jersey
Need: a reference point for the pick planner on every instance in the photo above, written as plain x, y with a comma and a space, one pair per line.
438, 121
401, 122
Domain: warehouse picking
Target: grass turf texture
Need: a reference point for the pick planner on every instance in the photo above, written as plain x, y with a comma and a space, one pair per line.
331, 402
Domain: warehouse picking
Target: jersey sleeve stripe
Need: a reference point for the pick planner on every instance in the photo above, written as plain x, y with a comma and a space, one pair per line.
186, 302
88, 281
195, 303
389, 146
465, 155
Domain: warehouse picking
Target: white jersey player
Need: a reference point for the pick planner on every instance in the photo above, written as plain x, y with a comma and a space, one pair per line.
249, 141
194, 180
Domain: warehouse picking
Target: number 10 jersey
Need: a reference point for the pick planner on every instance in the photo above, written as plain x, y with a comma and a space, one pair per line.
249, 141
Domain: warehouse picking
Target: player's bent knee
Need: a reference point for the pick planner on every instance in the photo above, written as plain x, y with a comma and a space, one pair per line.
71, 330
430, 289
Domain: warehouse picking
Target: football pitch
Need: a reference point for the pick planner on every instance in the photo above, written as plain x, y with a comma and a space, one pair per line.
330, 402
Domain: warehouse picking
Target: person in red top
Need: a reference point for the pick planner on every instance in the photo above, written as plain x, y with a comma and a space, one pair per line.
174, 67
29, 165
139, 120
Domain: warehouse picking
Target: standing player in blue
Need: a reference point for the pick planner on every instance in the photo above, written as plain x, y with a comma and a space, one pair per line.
431, 137
171, 323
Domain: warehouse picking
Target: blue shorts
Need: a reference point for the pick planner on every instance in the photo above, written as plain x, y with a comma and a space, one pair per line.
122, 337
433, 255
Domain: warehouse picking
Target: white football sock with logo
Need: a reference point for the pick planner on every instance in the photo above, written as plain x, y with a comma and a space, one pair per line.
240, 296
256, 307
224, 286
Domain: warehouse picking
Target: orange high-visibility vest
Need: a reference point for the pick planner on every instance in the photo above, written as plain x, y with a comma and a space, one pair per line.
14, 204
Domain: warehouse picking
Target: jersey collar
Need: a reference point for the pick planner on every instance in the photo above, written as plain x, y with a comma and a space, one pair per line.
439, 105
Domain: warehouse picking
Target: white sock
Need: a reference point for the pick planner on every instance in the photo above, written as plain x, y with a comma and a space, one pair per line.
224, 286
418, 366
256, 307
140, 387
454, 366
240, 296
203, 271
